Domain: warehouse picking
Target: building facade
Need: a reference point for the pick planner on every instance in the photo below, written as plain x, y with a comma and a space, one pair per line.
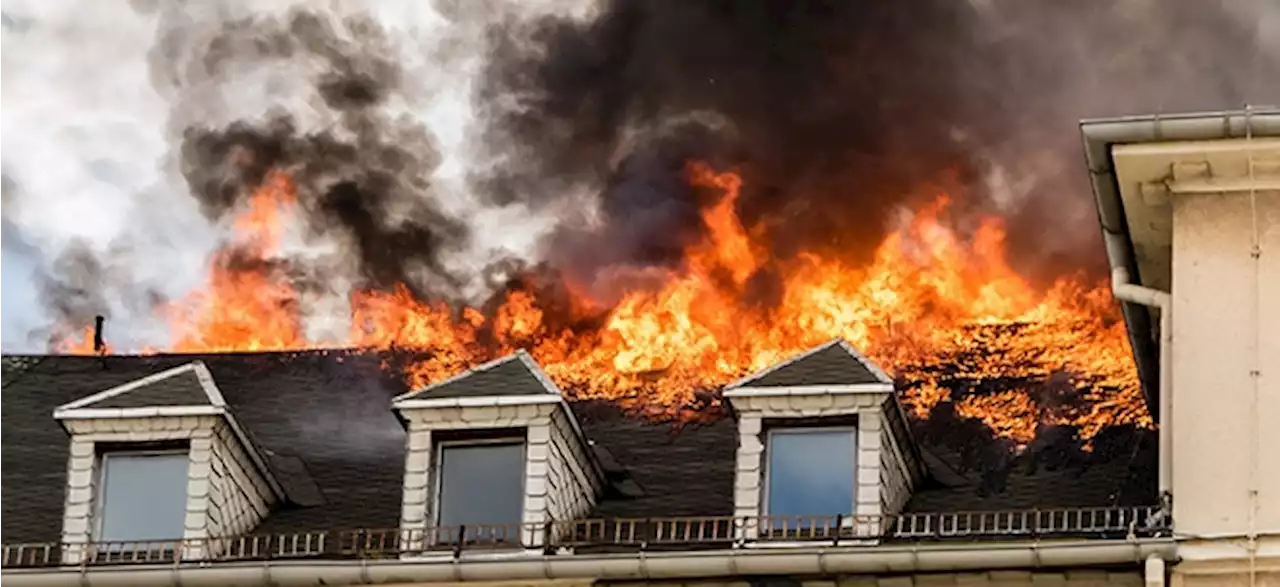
1190, 207
317, 468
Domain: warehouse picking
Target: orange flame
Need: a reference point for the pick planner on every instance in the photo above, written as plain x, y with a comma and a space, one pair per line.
933, 308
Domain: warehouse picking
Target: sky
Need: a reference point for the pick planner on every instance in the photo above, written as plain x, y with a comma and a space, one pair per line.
89, 130
88, 137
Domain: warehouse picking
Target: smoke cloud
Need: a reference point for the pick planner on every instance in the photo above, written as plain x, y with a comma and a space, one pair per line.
442, 144
838, 112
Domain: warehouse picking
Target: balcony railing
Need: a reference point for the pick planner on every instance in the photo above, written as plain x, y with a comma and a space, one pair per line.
562, 538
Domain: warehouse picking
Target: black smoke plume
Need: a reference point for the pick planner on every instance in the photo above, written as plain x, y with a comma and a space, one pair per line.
835, 112
839, 111
365, 180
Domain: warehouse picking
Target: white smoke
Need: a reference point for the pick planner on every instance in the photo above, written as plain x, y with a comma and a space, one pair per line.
90, 126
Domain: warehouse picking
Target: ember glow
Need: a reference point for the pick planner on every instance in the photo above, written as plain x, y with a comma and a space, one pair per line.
945, 314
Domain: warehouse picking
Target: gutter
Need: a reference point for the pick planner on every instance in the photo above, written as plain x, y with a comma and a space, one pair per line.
1099, 136
642, 566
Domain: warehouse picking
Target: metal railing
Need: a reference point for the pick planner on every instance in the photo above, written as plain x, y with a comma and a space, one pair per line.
566, 537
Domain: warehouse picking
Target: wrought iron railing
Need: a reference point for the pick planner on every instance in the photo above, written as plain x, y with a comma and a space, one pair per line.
567, 537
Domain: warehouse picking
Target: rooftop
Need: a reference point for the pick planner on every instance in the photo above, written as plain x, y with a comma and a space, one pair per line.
326, 415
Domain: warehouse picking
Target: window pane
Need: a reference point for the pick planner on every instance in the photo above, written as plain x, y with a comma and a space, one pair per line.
482, 484
144, 497
811, 472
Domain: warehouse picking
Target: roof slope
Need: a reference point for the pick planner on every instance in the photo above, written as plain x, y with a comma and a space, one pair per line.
512, 375
180, 386
833, 363
329, 414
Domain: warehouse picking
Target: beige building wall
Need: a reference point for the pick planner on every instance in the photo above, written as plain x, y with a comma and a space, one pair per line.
1226, 353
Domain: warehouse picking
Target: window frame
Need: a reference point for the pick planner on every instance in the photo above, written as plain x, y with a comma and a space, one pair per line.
437, 489
766, 474
100, 492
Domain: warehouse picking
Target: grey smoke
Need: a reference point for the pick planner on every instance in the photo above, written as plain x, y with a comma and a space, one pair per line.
103, 98
554, 131
840, 112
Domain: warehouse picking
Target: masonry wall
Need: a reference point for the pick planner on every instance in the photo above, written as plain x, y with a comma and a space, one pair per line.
1226, 352
899, 467
571, 484
559, 482
239, 497
895, 488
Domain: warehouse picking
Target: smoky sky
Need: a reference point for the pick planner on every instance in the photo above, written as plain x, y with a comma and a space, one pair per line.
366, 178
452, 145
837, 112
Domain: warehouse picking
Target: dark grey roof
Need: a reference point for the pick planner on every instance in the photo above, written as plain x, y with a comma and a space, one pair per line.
507, 376
328, 414
831, 365
179, 389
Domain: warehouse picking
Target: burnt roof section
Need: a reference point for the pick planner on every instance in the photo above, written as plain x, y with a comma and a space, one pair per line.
329, 413
509, 376
178, 388
834, 363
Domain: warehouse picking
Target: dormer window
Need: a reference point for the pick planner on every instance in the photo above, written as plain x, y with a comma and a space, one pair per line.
810, 472
493, 452
158, 460
480, 490
821, 441
143, 496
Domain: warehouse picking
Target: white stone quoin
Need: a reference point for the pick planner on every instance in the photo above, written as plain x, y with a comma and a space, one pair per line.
229, 487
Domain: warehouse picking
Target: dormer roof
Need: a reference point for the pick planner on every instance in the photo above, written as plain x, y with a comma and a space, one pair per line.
833, 364
188, 385
516, 377
185, 390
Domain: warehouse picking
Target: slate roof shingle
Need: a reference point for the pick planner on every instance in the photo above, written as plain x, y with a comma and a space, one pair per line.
507, 376
830, 364
328, 413
182, 388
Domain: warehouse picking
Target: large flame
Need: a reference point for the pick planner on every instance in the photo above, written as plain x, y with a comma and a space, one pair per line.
940, 312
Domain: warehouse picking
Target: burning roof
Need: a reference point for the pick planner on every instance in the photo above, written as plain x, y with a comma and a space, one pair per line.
699, 192
943, 312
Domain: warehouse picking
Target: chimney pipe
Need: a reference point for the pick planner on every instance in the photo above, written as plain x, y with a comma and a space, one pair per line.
99, 346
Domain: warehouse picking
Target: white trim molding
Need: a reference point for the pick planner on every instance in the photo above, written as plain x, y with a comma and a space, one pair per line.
873, 388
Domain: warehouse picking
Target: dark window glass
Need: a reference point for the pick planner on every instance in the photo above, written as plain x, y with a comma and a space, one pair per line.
144, 497
481, 487
811, 472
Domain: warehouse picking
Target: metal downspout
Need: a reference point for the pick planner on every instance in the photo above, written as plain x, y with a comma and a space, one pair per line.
1153, 572
1126, 290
